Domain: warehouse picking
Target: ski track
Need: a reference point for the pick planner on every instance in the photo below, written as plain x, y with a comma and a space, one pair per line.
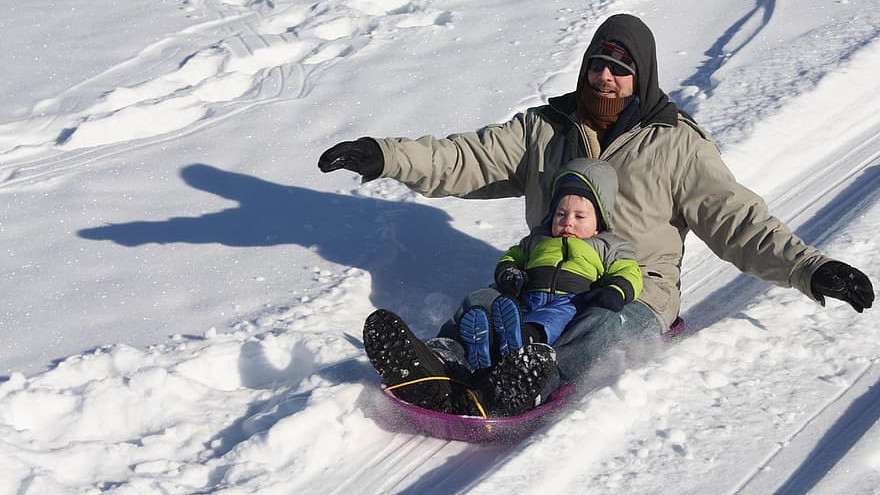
826, 435
244, 57
391, 466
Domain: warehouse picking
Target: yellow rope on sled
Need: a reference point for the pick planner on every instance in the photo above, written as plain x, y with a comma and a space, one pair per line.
470, 392
479, 406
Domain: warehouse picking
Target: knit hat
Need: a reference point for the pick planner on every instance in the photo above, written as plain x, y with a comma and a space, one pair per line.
615, 52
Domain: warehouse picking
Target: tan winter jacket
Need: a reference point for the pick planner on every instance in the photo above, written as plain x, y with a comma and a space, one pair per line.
671, 180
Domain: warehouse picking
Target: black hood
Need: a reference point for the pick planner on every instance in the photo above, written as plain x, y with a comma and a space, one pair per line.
637, 38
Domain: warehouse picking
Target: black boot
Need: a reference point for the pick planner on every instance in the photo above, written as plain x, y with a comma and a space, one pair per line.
402, 360
515, 384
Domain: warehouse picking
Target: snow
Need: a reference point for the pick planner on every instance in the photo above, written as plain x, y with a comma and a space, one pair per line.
185, 290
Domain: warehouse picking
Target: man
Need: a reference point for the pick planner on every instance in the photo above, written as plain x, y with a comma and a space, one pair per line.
672, 181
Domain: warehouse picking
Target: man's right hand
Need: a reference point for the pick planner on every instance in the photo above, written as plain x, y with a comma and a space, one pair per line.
841, 281
362, 156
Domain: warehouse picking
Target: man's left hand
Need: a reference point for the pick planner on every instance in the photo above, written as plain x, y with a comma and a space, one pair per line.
841, 281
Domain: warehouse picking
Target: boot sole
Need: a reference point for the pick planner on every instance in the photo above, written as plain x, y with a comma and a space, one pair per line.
516, 383
507, 324
473, 327
399, 357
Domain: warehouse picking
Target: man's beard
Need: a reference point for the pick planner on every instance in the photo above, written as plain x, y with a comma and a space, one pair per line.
596, 111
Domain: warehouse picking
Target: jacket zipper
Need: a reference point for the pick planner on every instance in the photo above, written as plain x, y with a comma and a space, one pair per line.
559, 267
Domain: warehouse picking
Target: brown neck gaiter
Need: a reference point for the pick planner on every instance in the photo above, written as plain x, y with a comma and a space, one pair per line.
597, 112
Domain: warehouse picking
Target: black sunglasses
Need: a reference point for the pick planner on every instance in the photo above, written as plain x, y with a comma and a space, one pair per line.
597, 64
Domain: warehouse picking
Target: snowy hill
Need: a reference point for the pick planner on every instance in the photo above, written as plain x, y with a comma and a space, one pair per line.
185, 290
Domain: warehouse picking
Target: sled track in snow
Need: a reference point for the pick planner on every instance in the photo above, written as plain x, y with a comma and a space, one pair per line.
421, 465
837, 181
46, 169
391, 466
827, 435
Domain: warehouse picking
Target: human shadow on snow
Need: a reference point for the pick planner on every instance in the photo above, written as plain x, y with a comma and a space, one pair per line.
723, 50
421, 266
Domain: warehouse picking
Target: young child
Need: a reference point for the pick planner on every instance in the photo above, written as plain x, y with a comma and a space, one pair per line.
571, 261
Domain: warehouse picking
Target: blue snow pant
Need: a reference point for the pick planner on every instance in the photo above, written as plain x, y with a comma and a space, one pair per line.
590, 336
551, 311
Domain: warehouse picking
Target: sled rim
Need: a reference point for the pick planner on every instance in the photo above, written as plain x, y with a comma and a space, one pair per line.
475, 429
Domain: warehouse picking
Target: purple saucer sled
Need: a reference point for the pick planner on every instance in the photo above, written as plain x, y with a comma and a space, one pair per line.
475, 429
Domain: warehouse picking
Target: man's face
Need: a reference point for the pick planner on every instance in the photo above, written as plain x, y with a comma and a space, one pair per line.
606, 84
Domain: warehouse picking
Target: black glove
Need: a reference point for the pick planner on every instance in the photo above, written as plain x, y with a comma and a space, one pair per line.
841, 281
603, 297
510, 279
362, 156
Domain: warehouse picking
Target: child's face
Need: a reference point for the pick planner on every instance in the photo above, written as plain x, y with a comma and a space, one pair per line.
575, 216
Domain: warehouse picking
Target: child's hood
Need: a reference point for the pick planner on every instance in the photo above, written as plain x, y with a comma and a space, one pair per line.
594, 179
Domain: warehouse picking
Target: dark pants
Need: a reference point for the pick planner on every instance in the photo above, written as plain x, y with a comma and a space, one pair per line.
591, 335
595, 332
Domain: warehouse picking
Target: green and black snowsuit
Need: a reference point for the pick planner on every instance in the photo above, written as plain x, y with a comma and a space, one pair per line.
559, 268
